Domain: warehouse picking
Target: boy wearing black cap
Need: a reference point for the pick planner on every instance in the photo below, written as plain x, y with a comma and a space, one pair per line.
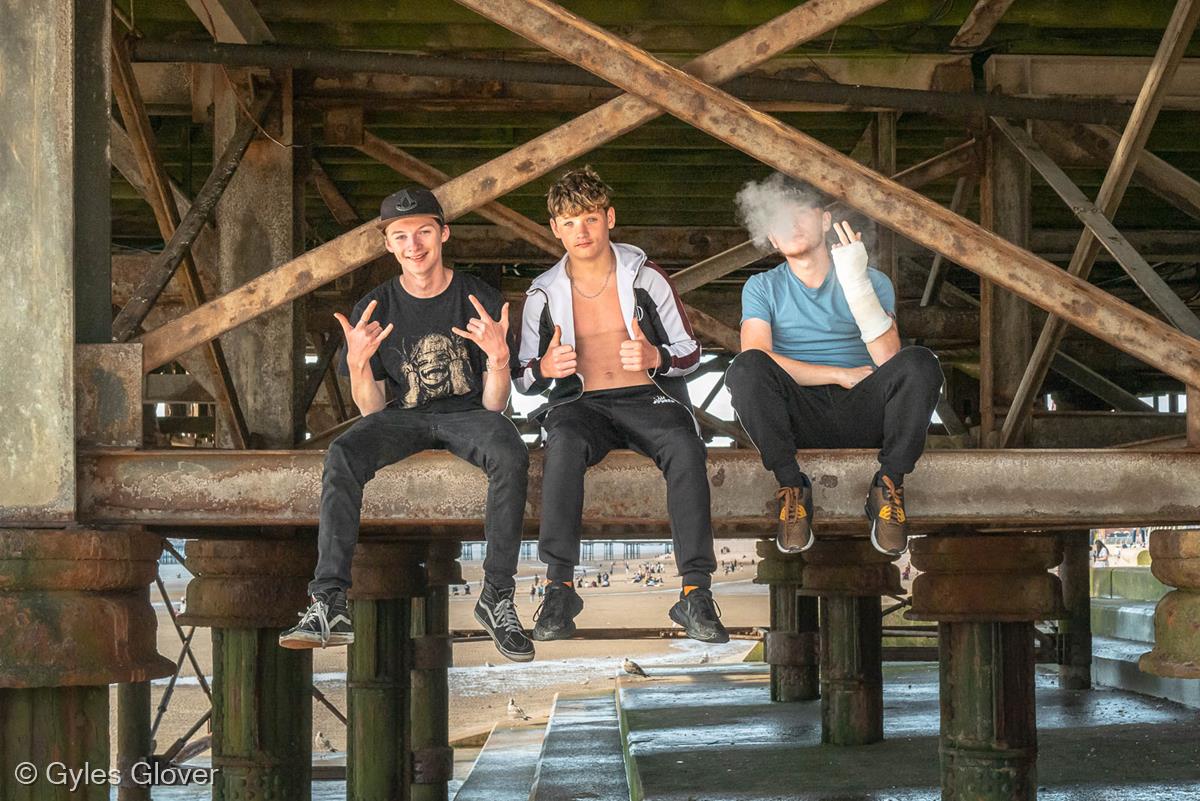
436, 342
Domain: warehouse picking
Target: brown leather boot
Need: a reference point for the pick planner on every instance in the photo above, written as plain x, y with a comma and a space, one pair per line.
795, 519
889, 523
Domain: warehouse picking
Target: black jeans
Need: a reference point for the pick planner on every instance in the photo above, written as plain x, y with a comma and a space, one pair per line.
581, 433
485, 439
889, 409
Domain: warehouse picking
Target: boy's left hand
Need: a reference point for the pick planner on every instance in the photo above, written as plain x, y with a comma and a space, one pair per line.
490, 335
638, 353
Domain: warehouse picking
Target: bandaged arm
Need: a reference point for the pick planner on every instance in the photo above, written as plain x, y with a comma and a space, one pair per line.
850, 265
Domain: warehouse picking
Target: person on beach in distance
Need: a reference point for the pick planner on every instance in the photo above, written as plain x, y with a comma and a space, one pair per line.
605, 336
437, 342
821, 363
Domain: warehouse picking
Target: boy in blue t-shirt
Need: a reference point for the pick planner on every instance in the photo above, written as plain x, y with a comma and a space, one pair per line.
822, 365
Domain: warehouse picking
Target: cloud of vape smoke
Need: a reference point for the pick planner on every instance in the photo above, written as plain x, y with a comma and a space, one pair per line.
765, 207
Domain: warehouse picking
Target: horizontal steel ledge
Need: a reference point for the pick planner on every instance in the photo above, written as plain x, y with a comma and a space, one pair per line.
1013, 489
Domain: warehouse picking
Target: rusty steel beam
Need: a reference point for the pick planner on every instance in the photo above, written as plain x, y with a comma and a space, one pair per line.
339, 256
1097, 144
1108, 200
198, 215
1013, 489
979, 24
410, 166
166, 214
901, 209
1102, 229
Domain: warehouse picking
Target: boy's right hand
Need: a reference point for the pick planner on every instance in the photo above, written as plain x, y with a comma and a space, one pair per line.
363, 338
559, 360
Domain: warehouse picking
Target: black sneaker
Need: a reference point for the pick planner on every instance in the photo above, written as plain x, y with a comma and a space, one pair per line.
496, 613
326, 622
700, 616
555, 618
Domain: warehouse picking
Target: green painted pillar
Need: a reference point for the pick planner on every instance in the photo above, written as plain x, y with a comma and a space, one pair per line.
851, 670
790, 647
989, 726
74, 617
387, 576
1075, 632
849, 576
985, 591
133, 739
247, 591
432, 756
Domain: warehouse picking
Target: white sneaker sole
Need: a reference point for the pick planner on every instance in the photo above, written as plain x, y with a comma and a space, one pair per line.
302, 641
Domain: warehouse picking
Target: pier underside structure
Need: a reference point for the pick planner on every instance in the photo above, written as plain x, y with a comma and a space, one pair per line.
192, 182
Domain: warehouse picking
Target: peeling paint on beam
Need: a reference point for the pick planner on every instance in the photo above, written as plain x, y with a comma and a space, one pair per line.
1012, 489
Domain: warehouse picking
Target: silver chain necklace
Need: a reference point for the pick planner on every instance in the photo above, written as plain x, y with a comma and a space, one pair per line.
574, 286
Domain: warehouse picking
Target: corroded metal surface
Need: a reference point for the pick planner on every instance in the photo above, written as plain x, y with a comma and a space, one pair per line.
849, 567
1012, 489
74, 608
851, 655
1175, 561
247, 583
108, 395
386, 570
262, 717
378, 767
986, 578
989, 726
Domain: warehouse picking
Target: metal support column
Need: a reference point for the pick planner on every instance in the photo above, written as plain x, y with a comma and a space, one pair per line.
1075, 632
985, 591
262, 694
433, 758
851, 670
790, 647
387, 577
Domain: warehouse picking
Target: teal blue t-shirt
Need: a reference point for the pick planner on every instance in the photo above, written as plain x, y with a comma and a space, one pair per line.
812, 325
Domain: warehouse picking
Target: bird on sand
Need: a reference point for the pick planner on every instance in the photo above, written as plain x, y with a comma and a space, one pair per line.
323, 743
515, 711
632, 668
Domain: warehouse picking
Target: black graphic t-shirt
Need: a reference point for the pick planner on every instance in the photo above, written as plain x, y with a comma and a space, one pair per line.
427, 366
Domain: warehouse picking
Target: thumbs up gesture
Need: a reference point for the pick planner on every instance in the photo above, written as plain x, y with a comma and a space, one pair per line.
638, 353
559, 359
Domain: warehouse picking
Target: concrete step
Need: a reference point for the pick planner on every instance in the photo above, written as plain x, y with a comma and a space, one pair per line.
582, 755
712, 733
1115, 664
505, 768
1130, 583
1122, 619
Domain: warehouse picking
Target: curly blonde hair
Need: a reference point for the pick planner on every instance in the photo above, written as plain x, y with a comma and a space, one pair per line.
578, 191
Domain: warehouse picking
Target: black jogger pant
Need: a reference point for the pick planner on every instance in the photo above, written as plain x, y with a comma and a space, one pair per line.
580, 433
889, 409
485, 439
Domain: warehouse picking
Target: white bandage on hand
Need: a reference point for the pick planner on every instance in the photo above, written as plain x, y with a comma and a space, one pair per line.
850, 266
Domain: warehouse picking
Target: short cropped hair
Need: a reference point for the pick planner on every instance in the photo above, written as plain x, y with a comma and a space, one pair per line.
576, 192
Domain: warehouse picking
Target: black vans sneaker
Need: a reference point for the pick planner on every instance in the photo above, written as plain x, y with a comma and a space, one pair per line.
498, 616
325, 623
555, 618
700, 616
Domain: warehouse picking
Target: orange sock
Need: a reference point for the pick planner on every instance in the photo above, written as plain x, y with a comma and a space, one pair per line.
688, 588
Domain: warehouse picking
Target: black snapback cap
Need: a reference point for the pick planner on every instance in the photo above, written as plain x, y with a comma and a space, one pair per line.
415, 202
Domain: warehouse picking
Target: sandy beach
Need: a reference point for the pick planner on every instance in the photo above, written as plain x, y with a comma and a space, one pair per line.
482, 681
